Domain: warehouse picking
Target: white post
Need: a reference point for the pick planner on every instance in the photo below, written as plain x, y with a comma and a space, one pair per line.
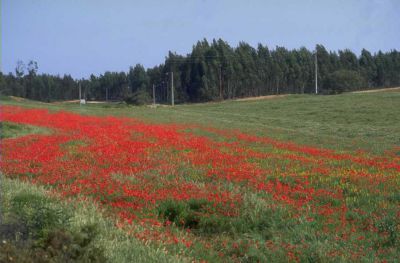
80, 93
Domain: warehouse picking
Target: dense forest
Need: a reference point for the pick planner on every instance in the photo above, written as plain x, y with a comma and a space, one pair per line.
217, 71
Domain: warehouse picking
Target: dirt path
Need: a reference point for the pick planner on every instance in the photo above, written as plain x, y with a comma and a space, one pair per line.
377, 90
17, 98
77, 101
261, 97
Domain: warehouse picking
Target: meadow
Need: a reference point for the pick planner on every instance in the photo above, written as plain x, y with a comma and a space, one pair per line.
298, 178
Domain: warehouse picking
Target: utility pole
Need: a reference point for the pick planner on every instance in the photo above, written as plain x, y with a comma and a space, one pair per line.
80, 94
80, 91
172, 89
167, 88
154, 96
316, 72
106, 94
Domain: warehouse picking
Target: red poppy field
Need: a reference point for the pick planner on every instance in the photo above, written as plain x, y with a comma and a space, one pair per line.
203, 193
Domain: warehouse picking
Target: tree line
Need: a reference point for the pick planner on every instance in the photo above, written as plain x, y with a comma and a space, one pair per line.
217, 71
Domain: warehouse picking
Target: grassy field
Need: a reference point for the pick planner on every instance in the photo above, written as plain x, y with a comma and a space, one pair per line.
291, 179
369, 121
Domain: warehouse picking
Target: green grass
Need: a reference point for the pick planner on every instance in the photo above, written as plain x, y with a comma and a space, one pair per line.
45, 217
367, 121
12, 130
347, 122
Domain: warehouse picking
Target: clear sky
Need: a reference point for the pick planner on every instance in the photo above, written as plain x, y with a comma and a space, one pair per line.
80, 37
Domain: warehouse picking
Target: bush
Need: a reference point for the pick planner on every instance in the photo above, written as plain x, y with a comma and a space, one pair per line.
193, 214
36, 231
140, 97
341, 81
37, 214
58, 246
183, 214
200, 216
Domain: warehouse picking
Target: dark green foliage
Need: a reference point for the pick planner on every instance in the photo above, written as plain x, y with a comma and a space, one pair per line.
343, 80
202, 218
193, 214
388, 229
256, 221
140, 97
138, 79
216, 71
57, 246
181, 213
36, 231
35, 213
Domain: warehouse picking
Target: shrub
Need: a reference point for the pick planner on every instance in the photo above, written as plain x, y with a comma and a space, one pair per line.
180, 213
37, 214
140, 97
36, 231
192, 214
58, 246
201, 217
341, 81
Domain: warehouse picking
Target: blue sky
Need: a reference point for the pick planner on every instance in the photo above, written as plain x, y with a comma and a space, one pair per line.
80, 37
